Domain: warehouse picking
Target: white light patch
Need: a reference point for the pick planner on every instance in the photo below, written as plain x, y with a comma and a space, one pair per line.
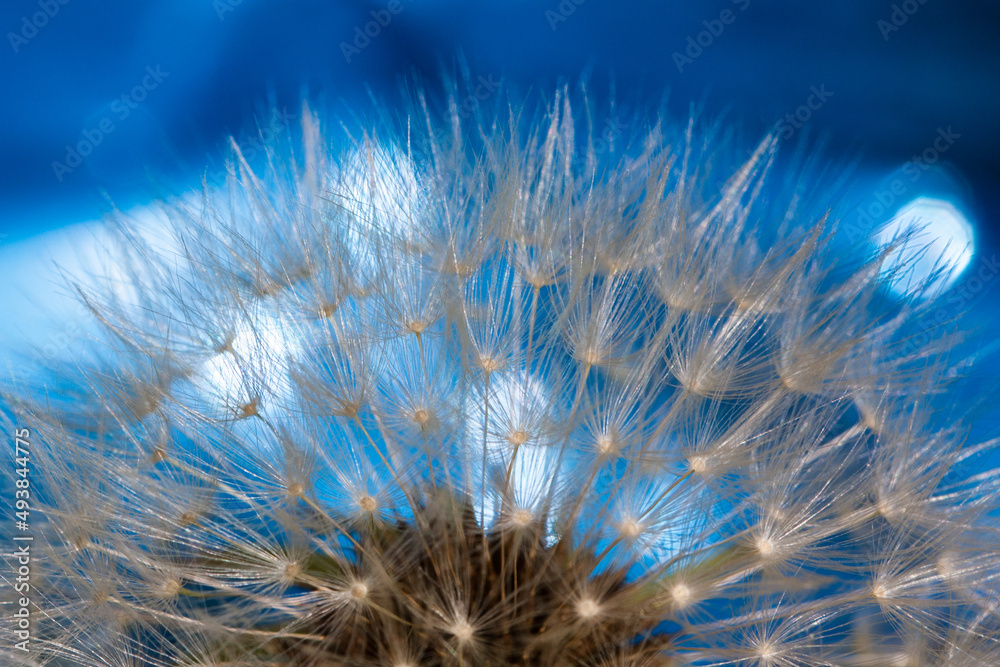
935, 244
655, 517
378, 187
512, 444
44, 314
254, 366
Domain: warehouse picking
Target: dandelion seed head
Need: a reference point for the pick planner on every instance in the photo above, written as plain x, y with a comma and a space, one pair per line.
421, 416
607, 445
698, 464
290, 570
946, 565
587, 608
368, 503
489, 364
416, 326
170, 588
630, 528
880, 591
766, 654
358, 591
518, 437
890, 506
765, 547
462, 631
521, 517
480, 395
681, 595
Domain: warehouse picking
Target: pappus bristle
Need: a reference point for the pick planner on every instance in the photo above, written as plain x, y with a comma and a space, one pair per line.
466, 392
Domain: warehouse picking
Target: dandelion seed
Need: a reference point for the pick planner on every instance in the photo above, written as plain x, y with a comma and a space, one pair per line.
587, 609
681, 595
521, 518
359, 591
462, 631
477, 397
765, 547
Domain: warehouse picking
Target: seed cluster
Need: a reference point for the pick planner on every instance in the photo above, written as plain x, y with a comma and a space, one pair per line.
482, 395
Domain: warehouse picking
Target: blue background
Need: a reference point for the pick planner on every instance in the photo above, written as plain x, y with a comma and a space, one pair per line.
228, 59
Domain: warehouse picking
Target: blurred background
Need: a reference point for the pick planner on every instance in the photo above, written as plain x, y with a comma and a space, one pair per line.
171, 79
122, 101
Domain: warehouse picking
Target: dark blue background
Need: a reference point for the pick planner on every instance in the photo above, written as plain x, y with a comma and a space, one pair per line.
228, 59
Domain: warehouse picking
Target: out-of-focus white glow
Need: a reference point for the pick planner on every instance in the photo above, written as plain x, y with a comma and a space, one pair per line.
253, 366
509, 437
43, 313
935, 242
378, 186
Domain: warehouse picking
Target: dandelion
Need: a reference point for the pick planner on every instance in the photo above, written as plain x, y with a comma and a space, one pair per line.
481, 396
